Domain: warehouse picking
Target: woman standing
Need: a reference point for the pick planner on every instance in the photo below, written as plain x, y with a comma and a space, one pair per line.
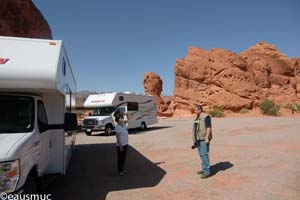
122, 142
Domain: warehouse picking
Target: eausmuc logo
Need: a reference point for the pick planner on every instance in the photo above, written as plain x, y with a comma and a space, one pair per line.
5, 196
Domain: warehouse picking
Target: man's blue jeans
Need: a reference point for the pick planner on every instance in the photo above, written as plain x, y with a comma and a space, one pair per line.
203, 150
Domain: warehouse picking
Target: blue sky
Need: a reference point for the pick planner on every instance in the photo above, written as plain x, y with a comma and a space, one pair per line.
111, 44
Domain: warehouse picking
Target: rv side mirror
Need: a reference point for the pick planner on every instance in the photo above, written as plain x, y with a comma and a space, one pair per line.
70, 122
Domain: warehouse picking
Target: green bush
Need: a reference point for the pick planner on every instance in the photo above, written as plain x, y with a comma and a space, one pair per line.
294, 107
268, 107
216, 111
244, 111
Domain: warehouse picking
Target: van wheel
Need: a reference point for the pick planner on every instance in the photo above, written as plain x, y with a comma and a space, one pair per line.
88, 133
108, 129
30, 186
143, 126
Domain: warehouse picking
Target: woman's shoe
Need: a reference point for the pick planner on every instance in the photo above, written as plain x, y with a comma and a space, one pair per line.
122, 173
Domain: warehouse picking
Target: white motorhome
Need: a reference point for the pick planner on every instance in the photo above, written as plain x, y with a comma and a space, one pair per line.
140, 108
37, 120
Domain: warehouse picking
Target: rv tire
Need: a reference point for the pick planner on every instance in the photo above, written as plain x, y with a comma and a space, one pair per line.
88, 133
30, 186
108, 129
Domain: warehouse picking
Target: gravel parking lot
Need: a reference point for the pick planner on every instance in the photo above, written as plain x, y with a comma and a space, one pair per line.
251, 158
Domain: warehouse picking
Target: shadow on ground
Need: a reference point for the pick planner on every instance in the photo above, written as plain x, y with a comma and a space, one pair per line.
220, 166
149, 129
135, 131
92, 173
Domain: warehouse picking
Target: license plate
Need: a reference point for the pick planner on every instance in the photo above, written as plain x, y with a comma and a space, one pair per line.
88, 130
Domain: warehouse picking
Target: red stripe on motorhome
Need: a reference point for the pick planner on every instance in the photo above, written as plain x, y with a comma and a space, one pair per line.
3, 60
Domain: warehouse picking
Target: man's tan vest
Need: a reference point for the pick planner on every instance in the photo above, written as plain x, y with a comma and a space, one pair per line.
200, 135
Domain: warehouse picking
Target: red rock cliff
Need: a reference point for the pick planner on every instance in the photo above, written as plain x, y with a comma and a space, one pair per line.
224, 78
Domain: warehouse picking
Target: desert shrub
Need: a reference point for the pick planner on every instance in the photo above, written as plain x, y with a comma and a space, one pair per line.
216, 111
268, 107
244, 111
294, 107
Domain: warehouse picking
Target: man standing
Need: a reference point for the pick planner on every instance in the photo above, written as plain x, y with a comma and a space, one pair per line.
202, 135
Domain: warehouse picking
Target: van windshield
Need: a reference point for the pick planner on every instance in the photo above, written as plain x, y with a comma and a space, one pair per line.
16, 114
103, 111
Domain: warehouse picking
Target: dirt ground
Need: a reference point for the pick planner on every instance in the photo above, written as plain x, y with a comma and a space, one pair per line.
251, 158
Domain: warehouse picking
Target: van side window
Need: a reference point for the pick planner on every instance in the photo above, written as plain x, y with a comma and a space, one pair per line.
41, 116
121, 98
132, 106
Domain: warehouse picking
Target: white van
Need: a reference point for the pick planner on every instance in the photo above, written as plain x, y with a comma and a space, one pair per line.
140, 108
37, 119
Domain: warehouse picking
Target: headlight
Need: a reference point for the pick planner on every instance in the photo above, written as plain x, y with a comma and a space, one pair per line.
9, 176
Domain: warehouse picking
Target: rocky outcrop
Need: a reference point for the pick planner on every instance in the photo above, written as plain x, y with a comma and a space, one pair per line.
153, 85
275, 73
216, 77
220, 77
20, 18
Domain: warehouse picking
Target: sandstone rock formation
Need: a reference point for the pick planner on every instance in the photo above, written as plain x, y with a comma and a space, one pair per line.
153, 86
220, 77
275, 73
216, 77
223, 78
20, 18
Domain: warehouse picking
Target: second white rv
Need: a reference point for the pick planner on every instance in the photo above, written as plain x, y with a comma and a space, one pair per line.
140, 108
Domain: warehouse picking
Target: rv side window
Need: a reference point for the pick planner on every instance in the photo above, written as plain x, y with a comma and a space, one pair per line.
121, 98
132, 106
42, 116
64, 67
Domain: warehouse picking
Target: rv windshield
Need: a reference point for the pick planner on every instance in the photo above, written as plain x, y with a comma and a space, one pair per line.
103, 111
16, 114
